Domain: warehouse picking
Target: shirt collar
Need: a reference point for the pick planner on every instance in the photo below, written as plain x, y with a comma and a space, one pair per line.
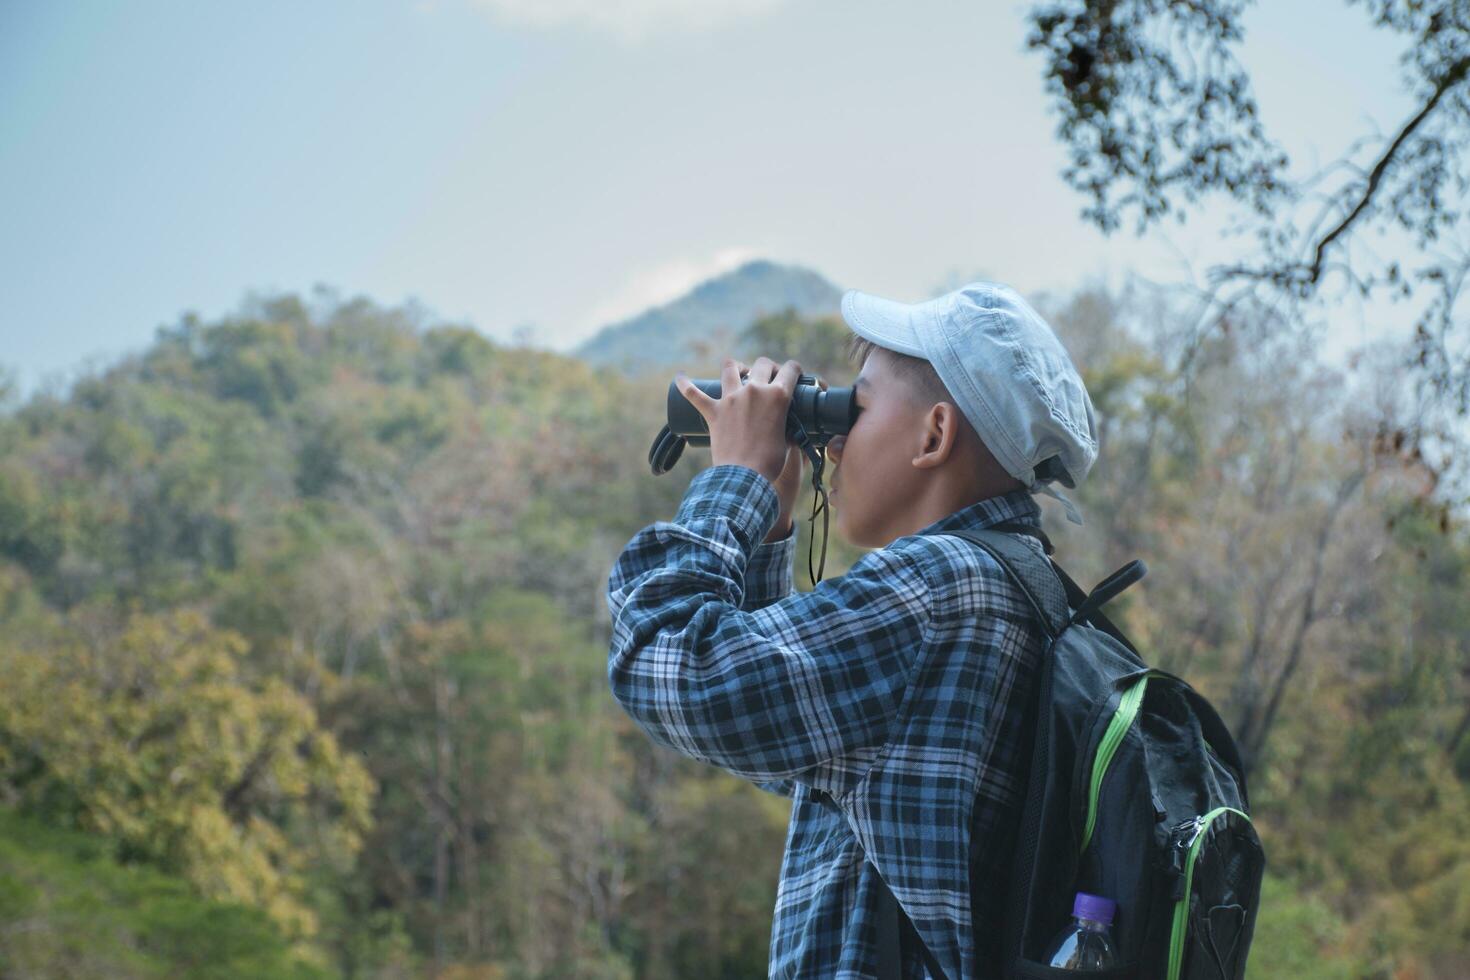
1017, 506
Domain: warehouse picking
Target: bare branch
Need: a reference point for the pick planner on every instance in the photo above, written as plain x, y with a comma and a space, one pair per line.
1451, 78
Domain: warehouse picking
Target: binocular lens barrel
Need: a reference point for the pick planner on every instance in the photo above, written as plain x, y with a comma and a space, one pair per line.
823, 414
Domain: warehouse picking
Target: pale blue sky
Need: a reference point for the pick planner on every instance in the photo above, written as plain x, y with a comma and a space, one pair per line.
563, 163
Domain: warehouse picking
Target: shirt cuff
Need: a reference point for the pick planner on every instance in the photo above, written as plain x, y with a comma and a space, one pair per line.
768, 574
736, 493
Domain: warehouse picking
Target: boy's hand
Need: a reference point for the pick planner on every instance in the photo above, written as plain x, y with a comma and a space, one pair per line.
747, 424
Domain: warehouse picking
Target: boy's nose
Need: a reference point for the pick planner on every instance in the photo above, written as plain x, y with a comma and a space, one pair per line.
834, 448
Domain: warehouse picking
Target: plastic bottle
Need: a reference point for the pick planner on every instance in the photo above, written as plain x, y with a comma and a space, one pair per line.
1086, 944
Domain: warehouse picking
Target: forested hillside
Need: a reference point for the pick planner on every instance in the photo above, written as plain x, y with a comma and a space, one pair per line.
302, 617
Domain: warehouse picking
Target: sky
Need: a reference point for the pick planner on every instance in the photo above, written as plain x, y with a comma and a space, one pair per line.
540, 168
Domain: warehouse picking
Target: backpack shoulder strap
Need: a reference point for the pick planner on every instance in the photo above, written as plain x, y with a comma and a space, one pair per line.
1036, 576
1087, 605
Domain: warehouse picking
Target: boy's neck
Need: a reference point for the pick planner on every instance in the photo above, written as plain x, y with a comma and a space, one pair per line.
939, 501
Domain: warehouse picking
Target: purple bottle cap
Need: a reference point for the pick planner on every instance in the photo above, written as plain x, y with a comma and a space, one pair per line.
1094, 907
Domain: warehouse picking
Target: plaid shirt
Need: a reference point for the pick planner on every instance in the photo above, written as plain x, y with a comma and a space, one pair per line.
898, 689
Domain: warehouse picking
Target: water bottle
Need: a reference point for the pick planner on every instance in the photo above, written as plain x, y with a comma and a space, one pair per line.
1086, 944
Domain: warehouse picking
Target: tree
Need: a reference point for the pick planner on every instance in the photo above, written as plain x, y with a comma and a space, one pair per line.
68, 909
816, 344
1158, 113
147, 732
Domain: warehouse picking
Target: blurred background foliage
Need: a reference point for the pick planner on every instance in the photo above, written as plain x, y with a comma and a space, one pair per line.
304, 646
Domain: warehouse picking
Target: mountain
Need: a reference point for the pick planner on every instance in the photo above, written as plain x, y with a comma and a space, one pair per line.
710, 316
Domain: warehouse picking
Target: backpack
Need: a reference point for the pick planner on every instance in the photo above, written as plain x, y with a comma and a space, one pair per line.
1136, 793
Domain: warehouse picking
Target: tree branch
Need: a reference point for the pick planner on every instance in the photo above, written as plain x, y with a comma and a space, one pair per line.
1451, 78
1257, 743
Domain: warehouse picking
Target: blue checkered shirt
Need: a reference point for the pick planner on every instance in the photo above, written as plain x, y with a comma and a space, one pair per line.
898, 689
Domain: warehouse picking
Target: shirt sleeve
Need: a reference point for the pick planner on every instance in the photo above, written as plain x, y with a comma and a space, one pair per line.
768, 578
770, 572
806, 687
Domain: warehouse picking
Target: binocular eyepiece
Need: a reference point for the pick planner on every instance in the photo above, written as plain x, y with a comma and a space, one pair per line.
815, 416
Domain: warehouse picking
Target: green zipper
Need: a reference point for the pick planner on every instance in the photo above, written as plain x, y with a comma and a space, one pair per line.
1181, 907
1118, 727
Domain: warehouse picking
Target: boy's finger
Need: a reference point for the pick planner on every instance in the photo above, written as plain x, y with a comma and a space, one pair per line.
730, 376
788, 375
703, 403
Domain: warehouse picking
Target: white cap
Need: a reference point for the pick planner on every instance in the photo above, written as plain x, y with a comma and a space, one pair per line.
1006, 370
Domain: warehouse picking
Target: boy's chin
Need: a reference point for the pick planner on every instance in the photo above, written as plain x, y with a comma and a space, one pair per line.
852, 536
839, 524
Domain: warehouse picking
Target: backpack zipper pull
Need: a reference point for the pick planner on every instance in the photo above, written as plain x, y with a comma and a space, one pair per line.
1181, 839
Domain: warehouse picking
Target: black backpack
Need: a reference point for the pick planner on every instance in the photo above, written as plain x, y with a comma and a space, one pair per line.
1136, 793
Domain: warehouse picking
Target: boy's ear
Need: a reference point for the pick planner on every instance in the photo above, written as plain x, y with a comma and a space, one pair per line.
940, 435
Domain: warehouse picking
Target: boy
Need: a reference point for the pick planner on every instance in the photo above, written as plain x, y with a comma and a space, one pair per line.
889, 703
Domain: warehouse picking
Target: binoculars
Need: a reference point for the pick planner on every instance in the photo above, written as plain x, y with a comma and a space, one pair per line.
815, 417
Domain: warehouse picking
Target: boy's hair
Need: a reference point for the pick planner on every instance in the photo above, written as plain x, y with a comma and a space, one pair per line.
923, 383
918, 374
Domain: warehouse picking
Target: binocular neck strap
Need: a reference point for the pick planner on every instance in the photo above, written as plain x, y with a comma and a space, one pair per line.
817, 487
797, 431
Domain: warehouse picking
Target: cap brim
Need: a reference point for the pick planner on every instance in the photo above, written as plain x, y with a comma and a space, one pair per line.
888, 324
